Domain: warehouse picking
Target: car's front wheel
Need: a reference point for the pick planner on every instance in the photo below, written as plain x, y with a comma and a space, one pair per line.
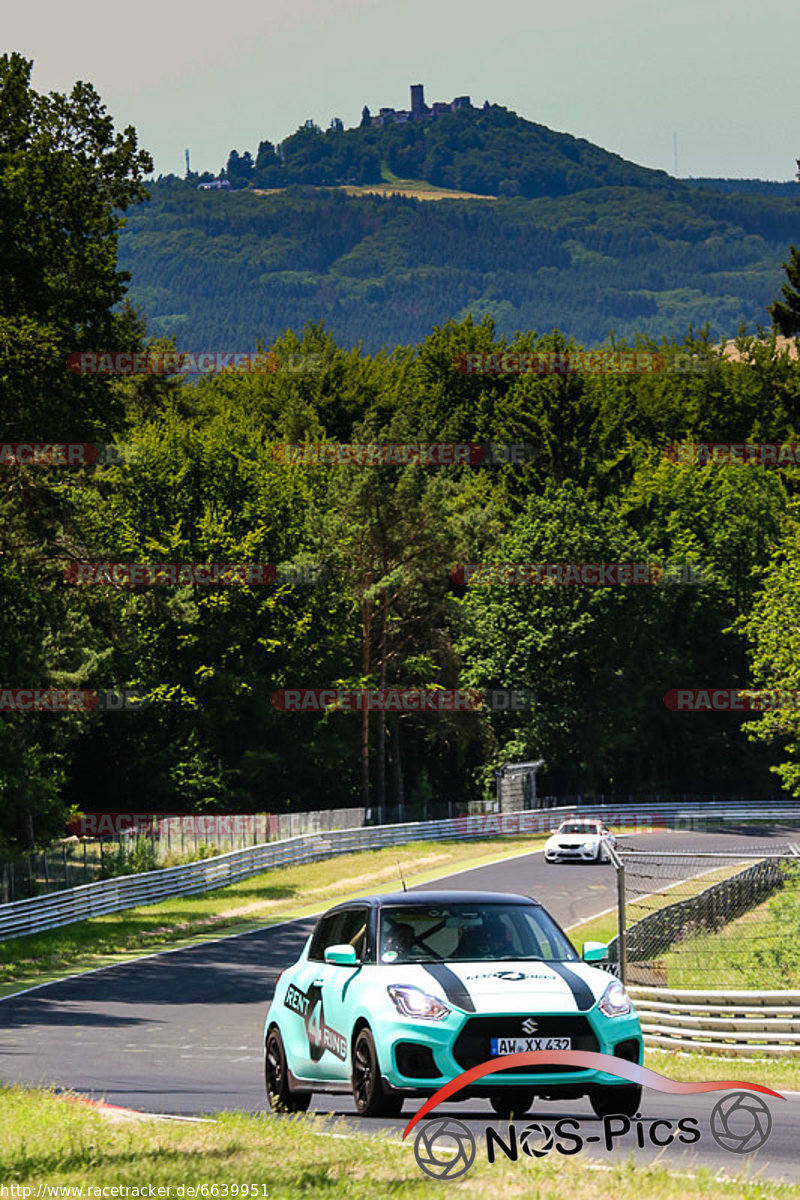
276, 1076
616, 1101
512, 1103
368, 1092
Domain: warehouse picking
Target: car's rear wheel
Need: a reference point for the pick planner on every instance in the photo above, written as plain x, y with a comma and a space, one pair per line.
514, 1102
616, 1101
276, 1077
368, 1092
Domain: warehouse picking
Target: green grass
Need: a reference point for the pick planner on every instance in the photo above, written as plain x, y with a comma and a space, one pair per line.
48, 1140
277, 895
782, 1074
733, 958
603, 928
759, 950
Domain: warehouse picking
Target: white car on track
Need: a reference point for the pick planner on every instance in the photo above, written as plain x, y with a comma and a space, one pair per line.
579, 839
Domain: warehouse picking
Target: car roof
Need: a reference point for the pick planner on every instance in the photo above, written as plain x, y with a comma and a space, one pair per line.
407, 899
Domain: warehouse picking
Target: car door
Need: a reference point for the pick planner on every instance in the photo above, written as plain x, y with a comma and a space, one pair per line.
326, 988
339, 987
302, 1002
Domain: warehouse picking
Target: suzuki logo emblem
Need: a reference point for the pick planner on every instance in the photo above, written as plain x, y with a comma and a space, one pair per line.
529, 1025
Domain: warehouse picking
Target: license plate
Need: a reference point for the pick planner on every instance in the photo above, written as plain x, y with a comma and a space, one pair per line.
520, 1045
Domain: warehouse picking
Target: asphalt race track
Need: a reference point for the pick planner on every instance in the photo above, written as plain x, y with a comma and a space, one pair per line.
182, 1032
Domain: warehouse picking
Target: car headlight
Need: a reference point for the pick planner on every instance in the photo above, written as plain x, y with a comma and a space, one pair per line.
413, 1002
615, 1001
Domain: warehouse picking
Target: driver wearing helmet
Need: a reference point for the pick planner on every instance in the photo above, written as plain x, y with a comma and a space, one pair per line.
398, 940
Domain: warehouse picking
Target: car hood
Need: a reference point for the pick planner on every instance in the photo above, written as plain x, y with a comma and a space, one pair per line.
507, 986
572, 838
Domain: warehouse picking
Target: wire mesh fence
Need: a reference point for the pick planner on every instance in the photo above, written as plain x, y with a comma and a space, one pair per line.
712, 920
65, 864
150, 841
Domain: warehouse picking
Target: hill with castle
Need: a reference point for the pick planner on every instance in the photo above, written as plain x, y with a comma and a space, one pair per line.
487, 151
535, 228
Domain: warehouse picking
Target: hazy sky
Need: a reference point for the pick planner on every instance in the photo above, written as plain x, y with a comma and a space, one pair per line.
721, 74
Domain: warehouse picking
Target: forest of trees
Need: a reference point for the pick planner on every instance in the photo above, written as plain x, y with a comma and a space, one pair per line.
205, 485
491, 151
216, 269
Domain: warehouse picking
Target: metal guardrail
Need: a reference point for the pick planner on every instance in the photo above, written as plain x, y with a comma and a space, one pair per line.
113, 895
744, 1023
130, 891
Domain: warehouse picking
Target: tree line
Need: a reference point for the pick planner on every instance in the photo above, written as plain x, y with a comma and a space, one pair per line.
205, 478
216, 268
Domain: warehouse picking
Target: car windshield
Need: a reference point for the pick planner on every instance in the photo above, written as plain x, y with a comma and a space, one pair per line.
578, 827
471, 932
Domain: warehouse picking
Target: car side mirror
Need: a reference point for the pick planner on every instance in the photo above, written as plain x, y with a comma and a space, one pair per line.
594, 951
341, 956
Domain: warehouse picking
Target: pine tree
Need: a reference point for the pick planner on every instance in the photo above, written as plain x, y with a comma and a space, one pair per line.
786, 317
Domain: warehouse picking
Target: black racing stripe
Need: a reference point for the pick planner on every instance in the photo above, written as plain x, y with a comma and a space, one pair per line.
454, 988
584, 996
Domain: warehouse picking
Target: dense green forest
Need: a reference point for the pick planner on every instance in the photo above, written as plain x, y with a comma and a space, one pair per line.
580, 239
762, 187
219, 270
206, 486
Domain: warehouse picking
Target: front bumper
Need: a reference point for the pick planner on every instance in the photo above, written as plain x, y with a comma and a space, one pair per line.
573, 854
422, 1058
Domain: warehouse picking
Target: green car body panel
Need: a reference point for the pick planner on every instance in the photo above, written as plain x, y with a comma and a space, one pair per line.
483, 1006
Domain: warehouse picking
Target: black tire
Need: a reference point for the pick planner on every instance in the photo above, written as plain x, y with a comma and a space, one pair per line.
513, 1102
616, 1101
276, 1078
370, 1098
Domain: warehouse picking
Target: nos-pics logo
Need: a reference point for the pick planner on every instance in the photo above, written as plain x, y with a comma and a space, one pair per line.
445, 1148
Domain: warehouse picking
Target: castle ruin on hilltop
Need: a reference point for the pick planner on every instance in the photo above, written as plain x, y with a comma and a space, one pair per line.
419, 110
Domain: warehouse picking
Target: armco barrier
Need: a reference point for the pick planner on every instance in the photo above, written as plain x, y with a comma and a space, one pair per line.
96, 899
752, 1024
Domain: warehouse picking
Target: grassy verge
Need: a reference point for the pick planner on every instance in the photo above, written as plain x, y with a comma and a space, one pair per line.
758, 950
738, 959
49, 1141
282, 894
417, 189
604, 928
782, 1074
